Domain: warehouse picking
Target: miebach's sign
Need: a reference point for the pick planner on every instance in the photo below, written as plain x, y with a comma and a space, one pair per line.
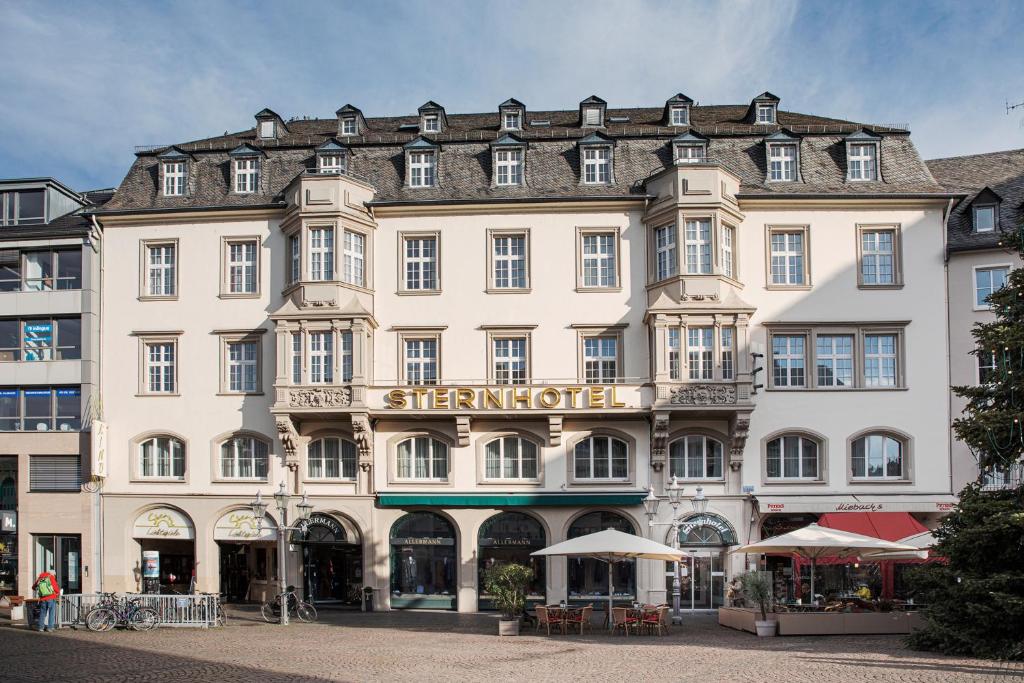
523, 398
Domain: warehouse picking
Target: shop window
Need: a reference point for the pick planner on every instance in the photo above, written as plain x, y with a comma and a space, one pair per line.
511, 537
423, 561
331, 458
588, 578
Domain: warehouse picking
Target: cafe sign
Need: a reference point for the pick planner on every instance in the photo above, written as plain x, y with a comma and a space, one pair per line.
416, 540
164, 523
240, 525
516, 398
715, 522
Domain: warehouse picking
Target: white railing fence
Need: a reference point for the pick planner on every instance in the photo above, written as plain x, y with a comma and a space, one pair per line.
195, 611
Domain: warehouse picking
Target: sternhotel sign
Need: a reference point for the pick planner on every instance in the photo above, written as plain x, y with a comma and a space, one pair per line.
526, 398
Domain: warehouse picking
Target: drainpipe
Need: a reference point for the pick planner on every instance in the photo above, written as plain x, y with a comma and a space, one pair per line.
947, 212
97, 498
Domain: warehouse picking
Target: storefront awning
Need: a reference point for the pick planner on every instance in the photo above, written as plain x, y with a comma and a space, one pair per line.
857, 503
492, 500
888, 526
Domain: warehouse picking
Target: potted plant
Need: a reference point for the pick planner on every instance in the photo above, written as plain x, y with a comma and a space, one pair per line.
758, 589
507, 582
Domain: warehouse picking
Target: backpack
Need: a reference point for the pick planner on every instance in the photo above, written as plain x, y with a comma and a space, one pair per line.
45, 587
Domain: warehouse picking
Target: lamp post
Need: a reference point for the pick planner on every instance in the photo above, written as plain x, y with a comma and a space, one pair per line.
675, 499
259, 509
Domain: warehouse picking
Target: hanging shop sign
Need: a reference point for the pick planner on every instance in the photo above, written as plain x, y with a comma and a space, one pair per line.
525, 398
710, 521
99, 449
240, 525
164, 523
9, 521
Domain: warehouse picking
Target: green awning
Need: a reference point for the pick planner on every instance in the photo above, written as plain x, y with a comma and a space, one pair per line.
488, 500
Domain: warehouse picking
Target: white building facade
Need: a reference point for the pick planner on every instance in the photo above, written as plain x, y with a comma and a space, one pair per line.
466, 337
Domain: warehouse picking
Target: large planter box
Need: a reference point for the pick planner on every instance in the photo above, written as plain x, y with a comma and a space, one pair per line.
823, 623
741, 618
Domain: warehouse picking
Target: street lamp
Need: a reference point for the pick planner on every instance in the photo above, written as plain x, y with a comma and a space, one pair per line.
259, 510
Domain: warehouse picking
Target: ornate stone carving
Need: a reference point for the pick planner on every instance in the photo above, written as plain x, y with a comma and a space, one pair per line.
555, 430
320, 397
703, 395
740, 432
318, 303
659, 440
462, 423
699, 297
289, 439
363, 434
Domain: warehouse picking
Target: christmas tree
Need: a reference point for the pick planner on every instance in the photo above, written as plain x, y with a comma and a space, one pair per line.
975, 598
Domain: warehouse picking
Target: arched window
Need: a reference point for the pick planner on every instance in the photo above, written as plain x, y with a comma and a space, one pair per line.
423, 562
589, 577
243, 457
422, 457
162, 456
601, 457
510, 457
331, 458
695, 457
877, 456
511, 537
792, 456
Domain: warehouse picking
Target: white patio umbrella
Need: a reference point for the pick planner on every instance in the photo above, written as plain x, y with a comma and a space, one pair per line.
612, 546
923, 541
813, 542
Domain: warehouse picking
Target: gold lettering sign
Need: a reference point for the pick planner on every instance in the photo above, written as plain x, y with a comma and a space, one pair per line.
513, 398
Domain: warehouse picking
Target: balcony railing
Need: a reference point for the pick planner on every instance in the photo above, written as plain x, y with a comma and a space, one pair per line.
1003, 479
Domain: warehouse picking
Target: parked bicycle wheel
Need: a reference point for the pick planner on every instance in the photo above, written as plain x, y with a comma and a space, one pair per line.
222, 618
271, 612
143, 619
306, 612
101, 619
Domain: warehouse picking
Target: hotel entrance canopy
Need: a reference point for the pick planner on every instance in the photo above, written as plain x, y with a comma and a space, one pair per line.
503, 500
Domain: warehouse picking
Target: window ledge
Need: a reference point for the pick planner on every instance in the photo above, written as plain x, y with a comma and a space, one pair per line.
832, 390
510, 482
897, 285
158, 480
239, 295
600, 482
329, 480
793, 288
241, 480
148, 297
701, 480
430, 482
878, 482
418, 292
508, 290
598, 290
793, 482
158, 395
240, 393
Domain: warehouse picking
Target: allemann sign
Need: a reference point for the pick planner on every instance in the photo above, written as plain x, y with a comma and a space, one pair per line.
513, 398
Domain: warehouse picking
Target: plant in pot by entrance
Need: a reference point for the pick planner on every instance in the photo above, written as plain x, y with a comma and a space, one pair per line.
758, 589
507, 583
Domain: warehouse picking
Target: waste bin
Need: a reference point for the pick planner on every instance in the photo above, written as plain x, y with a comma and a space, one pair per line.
367, 599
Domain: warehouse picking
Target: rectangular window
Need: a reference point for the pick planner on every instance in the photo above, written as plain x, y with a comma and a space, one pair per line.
690, 154
247, 175
294, 258
599, 268
700, 352
296, 354
509, 257
40, 409
728, 262
510, 166
984, 218
788, 360
765, 113
421, 169
596, 165
242, 267
431, 124
680, 116
40, 339
782, 162
986, 366
161, 269
174, 178
863, 161
787, 257
345, 338
321, 254
600, 359
243, 367
698, 246
321, 357
674, 367
421, 361
986, 281
878, 257
834, 360
55, 473
331, 164
355, 259
511, 120
728, 352
592, 116
665, 251
161, 368
880, 360
420, 263
510, 360
267, 129
348, 126
23, 207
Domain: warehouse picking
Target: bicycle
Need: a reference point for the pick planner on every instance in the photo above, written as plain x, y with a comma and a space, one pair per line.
123, 612
221, 618
299, 608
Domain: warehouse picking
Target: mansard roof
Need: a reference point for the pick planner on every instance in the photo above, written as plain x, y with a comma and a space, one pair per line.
377, 157
689, 137
330, 146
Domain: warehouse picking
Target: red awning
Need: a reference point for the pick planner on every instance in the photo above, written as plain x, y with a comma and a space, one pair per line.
888, 526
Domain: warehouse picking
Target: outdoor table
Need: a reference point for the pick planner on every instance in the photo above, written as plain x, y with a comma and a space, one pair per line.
562, 614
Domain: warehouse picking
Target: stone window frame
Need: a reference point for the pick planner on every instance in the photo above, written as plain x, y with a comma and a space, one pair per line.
897, 254
858, 330
144, 246
392, 451
135, 449
684, 321
493, 233
584, 231
327, 433
583, 435
822, 442
146, 338
481, 458
585, 331
805, 230
338, 328
225, 339
215, 464
403, 236
407, 332
907, 441
226, 242
681, 433
495, 332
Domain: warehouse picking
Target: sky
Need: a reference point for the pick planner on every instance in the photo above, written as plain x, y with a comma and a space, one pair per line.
83, 83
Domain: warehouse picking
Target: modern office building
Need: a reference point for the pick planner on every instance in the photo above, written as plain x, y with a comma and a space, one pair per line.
49, 375
468, 336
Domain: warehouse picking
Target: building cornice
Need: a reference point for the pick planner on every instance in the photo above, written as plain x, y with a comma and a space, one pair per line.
133, 217
842, 201
447, 207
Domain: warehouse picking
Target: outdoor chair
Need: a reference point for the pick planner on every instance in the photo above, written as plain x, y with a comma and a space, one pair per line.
621, 618
545, 619
656, 620
580, 618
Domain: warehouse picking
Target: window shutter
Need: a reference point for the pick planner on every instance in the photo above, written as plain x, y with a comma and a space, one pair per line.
8, 257
55, 472
593, 116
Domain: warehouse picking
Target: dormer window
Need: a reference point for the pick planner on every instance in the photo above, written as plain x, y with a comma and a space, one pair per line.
863, 161
597, 165
331, 164
765, 113
174, 178
679, 115
782, 162
266, 130
511, 120
690, 154
592, 116
985, 217
349, 126
247, 175
422, 167
509, 166
431, 123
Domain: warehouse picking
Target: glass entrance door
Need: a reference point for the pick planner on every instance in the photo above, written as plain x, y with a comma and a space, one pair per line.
702, 580
61, 555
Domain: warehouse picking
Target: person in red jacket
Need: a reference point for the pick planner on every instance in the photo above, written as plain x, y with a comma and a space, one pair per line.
48, 590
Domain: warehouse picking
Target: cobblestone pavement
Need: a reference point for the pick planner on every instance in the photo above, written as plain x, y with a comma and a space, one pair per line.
433, 646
